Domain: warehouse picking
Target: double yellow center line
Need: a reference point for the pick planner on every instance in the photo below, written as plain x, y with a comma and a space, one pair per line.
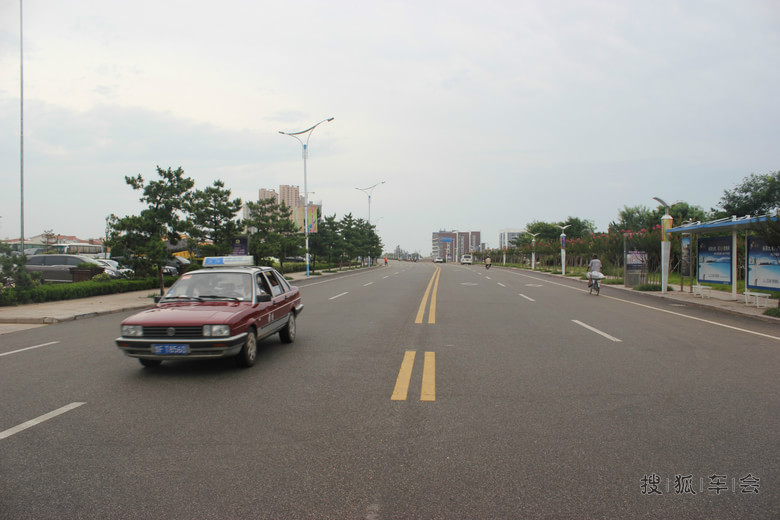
428, 389
434, 283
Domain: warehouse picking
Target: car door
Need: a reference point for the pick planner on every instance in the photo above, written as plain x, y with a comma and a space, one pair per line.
264, 310
278, 298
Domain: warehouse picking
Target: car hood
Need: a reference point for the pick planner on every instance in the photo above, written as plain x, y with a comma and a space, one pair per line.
190, 314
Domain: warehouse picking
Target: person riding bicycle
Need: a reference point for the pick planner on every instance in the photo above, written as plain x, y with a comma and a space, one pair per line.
487, 263
594, 266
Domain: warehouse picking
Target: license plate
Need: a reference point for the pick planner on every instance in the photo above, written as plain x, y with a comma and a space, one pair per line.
170, 349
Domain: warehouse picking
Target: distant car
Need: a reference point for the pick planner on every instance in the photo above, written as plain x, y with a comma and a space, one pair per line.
56, 268
438, 260
214, 312
115, 270
466, 259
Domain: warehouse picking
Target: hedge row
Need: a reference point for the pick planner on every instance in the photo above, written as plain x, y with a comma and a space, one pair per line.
69, 291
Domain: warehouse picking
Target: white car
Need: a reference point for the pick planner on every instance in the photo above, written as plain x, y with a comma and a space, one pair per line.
466, 259
438, 260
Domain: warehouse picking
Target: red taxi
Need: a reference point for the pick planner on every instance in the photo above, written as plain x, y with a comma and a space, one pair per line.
219, 311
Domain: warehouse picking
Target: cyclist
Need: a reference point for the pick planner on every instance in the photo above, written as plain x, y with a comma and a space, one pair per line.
594, 266
487, 263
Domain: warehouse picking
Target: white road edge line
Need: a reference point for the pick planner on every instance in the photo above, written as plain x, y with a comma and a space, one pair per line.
29, 348
369, 283
679, 314
597, 331
502, 285
527, 297
38, 420
338, 295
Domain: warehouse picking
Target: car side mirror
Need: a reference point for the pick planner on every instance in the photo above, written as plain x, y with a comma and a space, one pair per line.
263, 298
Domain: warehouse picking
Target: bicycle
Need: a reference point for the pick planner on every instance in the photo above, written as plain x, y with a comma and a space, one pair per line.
595, 283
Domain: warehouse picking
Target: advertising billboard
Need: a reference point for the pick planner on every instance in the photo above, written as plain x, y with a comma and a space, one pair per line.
763, 265
715, 257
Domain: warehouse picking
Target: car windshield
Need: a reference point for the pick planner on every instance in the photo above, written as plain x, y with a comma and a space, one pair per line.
212, 286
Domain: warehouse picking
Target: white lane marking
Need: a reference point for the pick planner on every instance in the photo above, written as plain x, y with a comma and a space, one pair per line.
29, 348
597, 331
526, 297
502, 285
338, 295
369, 283
534, 285
488, 278
39, 420
386, 277
679, 314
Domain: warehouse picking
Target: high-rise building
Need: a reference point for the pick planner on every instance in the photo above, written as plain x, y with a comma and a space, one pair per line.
291, 196
505, 237
451, 245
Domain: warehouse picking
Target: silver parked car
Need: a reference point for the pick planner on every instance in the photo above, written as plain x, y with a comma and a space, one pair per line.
56, 268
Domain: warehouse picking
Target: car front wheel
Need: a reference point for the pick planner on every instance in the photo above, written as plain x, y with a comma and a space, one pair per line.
248, 355
287, 334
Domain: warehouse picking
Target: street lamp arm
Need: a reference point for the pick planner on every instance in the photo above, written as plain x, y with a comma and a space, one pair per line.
308, 129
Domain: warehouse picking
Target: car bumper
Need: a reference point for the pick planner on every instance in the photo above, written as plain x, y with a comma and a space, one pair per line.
205, 348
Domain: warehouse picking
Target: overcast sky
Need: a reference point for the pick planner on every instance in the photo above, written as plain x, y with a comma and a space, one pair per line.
478, 115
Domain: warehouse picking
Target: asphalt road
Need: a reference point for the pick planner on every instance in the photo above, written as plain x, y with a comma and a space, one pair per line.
412, 391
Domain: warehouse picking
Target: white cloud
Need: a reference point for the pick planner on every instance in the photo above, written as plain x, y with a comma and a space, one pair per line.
479, 116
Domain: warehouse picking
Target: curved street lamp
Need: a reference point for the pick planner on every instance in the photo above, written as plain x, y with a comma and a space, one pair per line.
368, 191
666, 246
533, 249
563, 247
305, 184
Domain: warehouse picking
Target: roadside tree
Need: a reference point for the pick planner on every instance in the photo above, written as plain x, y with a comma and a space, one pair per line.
212, 218
160, 222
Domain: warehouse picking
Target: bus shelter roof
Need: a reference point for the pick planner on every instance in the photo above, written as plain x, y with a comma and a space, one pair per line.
724, 224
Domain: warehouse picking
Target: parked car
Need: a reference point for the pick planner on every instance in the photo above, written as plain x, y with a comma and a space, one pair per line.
56, 268
219, 311
114, 269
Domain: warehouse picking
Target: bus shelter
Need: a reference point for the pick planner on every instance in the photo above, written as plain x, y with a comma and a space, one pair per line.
716, 253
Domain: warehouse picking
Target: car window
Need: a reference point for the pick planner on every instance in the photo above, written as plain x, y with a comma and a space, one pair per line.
72, 261
262, 284
38, 260
276, 287
282, 282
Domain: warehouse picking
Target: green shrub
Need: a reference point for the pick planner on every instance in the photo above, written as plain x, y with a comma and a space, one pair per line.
774, 312
652, 287
70, 291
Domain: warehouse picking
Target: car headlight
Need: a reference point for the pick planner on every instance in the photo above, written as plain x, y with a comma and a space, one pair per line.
216, 330
132, 330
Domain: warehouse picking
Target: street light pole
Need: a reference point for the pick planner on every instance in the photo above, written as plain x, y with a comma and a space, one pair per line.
21, 129
563, 247
666, 246
305, 183
368, 191
533, 250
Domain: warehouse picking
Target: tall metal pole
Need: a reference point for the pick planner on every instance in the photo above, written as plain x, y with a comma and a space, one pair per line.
368, 191
305, 184
563, 248
21, 128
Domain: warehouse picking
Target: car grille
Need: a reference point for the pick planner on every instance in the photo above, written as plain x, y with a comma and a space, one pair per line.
174, 332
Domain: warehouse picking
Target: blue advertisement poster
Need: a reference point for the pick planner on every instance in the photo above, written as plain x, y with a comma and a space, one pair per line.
763, 269
715, 260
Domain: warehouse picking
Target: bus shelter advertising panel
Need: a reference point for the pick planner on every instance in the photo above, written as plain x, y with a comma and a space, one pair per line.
715, 260
763, 265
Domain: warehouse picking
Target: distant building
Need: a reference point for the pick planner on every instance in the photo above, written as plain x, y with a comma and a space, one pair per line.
505, 237
451, 245
292, 198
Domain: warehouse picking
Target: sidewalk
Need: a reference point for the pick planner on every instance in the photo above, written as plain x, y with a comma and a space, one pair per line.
32, 315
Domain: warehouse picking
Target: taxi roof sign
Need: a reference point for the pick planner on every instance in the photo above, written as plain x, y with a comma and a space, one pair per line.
228, 261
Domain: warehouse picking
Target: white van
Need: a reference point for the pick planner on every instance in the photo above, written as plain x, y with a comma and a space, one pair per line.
466, 259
